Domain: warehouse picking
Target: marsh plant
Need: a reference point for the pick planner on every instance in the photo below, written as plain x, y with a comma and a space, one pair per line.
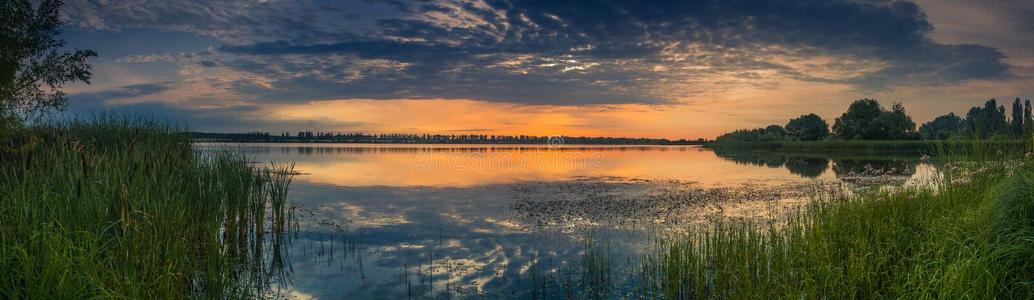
971, 236
122, 208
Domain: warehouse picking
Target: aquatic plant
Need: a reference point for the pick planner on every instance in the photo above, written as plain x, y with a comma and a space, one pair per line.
972, 238
125, 208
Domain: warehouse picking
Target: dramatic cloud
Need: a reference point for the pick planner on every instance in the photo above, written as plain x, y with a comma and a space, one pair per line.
568, 53
560, 52
222, 119
129, 91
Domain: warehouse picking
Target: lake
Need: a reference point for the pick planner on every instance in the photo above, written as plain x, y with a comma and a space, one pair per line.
528, 221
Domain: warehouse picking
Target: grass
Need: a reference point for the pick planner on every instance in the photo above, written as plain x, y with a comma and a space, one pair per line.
127, 209
970, 236
118, 208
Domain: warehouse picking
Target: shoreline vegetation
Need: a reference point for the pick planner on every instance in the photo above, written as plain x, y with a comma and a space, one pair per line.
127, 209
867, 120
968, 235
117, 208
121, 208
365, 138
918, 147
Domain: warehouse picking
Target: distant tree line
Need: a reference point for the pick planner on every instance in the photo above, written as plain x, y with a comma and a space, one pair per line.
331, 137
808, 127
866, 119
982, 122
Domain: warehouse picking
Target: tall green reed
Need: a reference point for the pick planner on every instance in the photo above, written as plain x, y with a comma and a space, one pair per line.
971, 235
126, 208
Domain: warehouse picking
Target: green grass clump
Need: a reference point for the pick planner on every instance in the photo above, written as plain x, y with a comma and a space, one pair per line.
971, 236
119, 208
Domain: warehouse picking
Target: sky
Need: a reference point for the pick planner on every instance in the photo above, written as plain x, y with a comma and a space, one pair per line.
662, 69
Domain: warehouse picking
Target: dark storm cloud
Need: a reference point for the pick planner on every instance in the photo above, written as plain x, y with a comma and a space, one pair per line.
238, 118
932, 64
500, 87
560, 52
100, 103
408, 52
130, 91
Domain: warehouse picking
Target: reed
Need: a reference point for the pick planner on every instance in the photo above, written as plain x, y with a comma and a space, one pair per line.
125, 208
971, 235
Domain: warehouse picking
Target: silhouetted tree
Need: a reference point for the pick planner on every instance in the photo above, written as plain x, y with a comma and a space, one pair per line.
983, 122
866, 119
1017, 118
808, 127
34, 64
775, 130
331, 137
1027, 118
856, 122
942, 127
767, 134
895, 124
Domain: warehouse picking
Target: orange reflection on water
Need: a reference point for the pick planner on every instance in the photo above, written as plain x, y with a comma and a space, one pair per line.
473, 165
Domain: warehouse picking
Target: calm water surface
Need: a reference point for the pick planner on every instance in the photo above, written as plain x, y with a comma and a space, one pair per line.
523, 221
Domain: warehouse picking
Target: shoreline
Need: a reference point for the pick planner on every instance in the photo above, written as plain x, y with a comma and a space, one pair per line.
927, 147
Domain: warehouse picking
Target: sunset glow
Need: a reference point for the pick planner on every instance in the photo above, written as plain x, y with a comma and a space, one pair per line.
516, 149
473, 67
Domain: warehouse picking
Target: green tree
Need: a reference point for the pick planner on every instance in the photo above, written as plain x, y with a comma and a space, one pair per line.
775, 130
33, 63
895, 124
808, 127
942, 127
865, 119
984, 122
1017, 118
855, 123
1027, 119
767, 134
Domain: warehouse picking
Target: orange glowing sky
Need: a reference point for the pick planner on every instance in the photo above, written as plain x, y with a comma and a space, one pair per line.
469, 67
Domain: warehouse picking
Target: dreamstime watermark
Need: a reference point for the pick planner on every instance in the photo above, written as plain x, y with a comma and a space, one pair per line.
512, 157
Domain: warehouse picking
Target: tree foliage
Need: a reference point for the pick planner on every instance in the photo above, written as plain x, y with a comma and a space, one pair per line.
984, 122
1028, 121
897, 124
1016, 124
865, 119
943, 127
808, 127
767, 134
403, 138
855, 123
33, 62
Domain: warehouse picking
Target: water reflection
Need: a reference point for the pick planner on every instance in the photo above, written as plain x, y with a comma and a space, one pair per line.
807, 166
474, 165
813, 165
521, 221
424, 242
